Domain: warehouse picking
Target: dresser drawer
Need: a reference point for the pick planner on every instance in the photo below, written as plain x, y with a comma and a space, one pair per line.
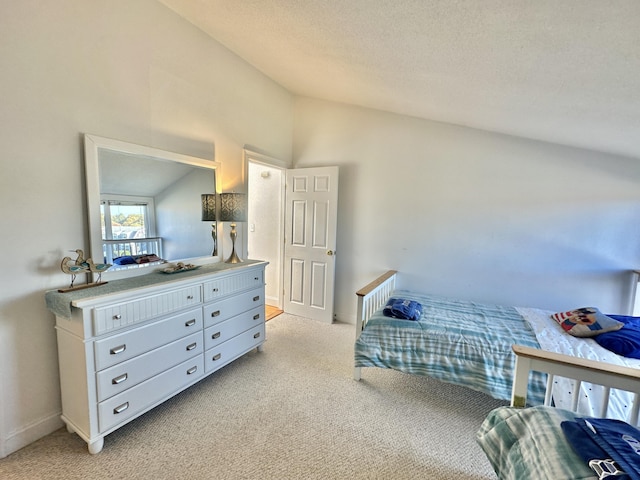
222, 310
127, 404
222, 287
113, 317
123, 346
228, 351
223, 331
119, 378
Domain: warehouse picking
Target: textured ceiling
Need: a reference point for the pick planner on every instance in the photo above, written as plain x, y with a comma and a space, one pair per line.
564, 71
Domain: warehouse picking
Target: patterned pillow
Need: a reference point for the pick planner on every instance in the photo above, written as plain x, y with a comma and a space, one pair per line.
586, 322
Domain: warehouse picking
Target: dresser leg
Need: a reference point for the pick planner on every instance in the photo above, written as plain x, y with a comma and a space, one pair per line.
96, 447
261, 347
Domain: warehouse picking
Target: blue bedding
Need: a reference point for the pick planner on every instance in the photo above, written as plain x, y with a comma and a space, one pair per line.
624, 342
460, 342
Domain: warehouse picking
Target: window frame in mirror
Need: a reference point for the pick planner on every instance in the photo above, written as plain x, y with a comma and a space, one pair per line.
92, 146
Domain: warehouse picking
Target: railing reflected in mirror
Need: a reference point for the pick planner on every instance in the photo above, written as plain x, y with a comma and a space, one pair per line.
144, 206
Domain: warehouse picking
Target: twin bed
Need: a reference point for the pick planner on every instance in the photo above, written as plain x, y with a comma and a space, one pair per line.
472, 344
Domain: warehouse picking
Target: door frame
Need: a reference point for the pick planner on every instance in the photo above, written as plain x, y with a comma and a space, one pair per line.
251, 156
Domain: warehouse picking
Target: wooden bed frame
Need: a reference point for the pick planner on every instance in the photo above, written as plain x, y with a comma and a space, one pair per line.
373, 296
578, 369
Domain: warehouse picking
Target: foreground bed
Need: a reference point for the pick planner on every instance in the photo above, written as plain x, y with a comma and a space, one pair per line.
528, 443
469, 344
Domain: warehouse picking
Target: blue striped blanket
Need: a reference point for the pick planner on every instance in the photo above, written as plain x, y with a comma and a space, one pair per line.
456, 341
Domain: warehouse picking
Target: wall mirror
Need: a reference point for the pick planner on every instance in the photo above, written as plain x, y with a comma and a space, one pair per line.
145, 207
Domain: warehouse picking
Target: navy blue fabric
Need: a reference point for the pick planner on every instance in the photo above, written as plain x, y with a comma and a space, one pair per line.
586, 448
403, 309
616, 439
624, 342
127, 260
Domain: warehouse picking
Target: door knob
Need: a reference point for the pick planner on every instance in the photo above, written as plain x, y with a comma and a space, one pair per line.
330, 252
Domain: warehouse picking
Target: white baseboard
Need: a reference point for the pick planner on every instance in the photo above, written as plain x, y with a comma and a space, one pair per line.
29, 434
272, 301
343, 317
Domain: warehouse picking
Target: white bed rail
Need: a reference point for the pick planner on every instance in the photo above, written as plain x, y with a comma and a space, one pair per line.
371, 298
579, 369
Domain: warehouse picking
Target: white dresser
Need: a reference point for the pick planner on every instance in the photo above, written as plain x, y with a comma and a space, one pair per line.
128, 346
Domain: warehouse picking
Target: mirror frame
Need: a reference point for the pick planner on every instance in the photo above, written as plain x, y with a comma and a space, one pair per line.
92, 146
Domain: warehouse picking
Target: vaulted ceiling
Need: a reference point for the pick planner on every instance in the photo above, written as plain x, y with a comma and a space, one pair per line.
564, 71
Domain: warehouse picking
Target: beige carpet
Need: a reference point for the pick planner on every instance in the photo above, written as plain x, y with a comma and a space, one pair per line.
290, 412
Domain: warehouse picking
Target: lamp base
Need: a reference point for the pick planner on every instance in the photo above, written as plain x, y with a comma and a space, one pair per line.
214, 236
233, 258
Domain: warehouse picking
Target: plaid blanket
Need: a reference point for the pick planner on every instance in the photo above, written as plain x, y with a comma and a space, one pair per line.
529, 443
460, 342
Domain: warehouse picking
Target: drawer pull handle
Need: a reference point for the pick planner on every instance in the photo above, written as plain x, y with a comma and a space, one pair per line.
190, 323
256, 278
214, 290
256, 316
118, 349
216, 313
192, 370
257, 335
117, 317
189, 297
215, 335
216, 357
119, 379
192, 346
121, 408
256, 298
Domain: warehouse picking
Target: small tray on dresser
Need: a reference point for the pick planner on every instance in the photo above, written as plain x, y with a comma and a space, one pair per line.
179, 268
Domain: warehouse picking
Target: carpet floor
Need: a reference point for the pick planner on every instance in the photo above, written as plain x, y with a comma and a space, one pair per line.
292, 411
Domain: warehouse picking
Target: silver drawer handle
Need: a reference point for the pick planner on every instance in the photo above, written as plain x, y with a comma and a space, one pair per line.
257, 335
215, 335
119, 379
121, 408
256, 298
117, 317
216, 313
192, 346
119, 349
256, 316
190, 323
192, 370
216, 357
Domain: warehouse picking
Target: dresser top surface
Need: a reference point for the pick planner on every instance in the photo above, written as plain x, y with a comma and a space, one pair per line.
60, 303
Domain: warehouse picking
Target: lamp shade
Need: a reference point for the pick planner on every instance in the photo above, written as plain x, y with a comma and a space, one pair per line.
208, 207
233, 207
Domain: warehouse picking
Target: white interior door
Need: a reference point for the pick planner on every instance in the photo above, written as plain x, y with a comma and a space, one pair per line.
311, 214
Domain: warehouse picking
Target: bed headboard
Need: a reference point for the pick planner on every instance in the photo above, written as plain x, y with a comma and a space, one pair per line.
373, 296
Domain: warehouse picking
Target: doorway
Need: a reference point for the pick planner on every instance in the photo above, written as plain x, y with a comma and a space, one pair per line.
265, 222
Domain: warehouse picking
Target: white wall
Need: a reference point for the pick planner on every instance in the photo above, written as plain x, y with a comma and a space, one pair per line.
130, 70
472, 214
